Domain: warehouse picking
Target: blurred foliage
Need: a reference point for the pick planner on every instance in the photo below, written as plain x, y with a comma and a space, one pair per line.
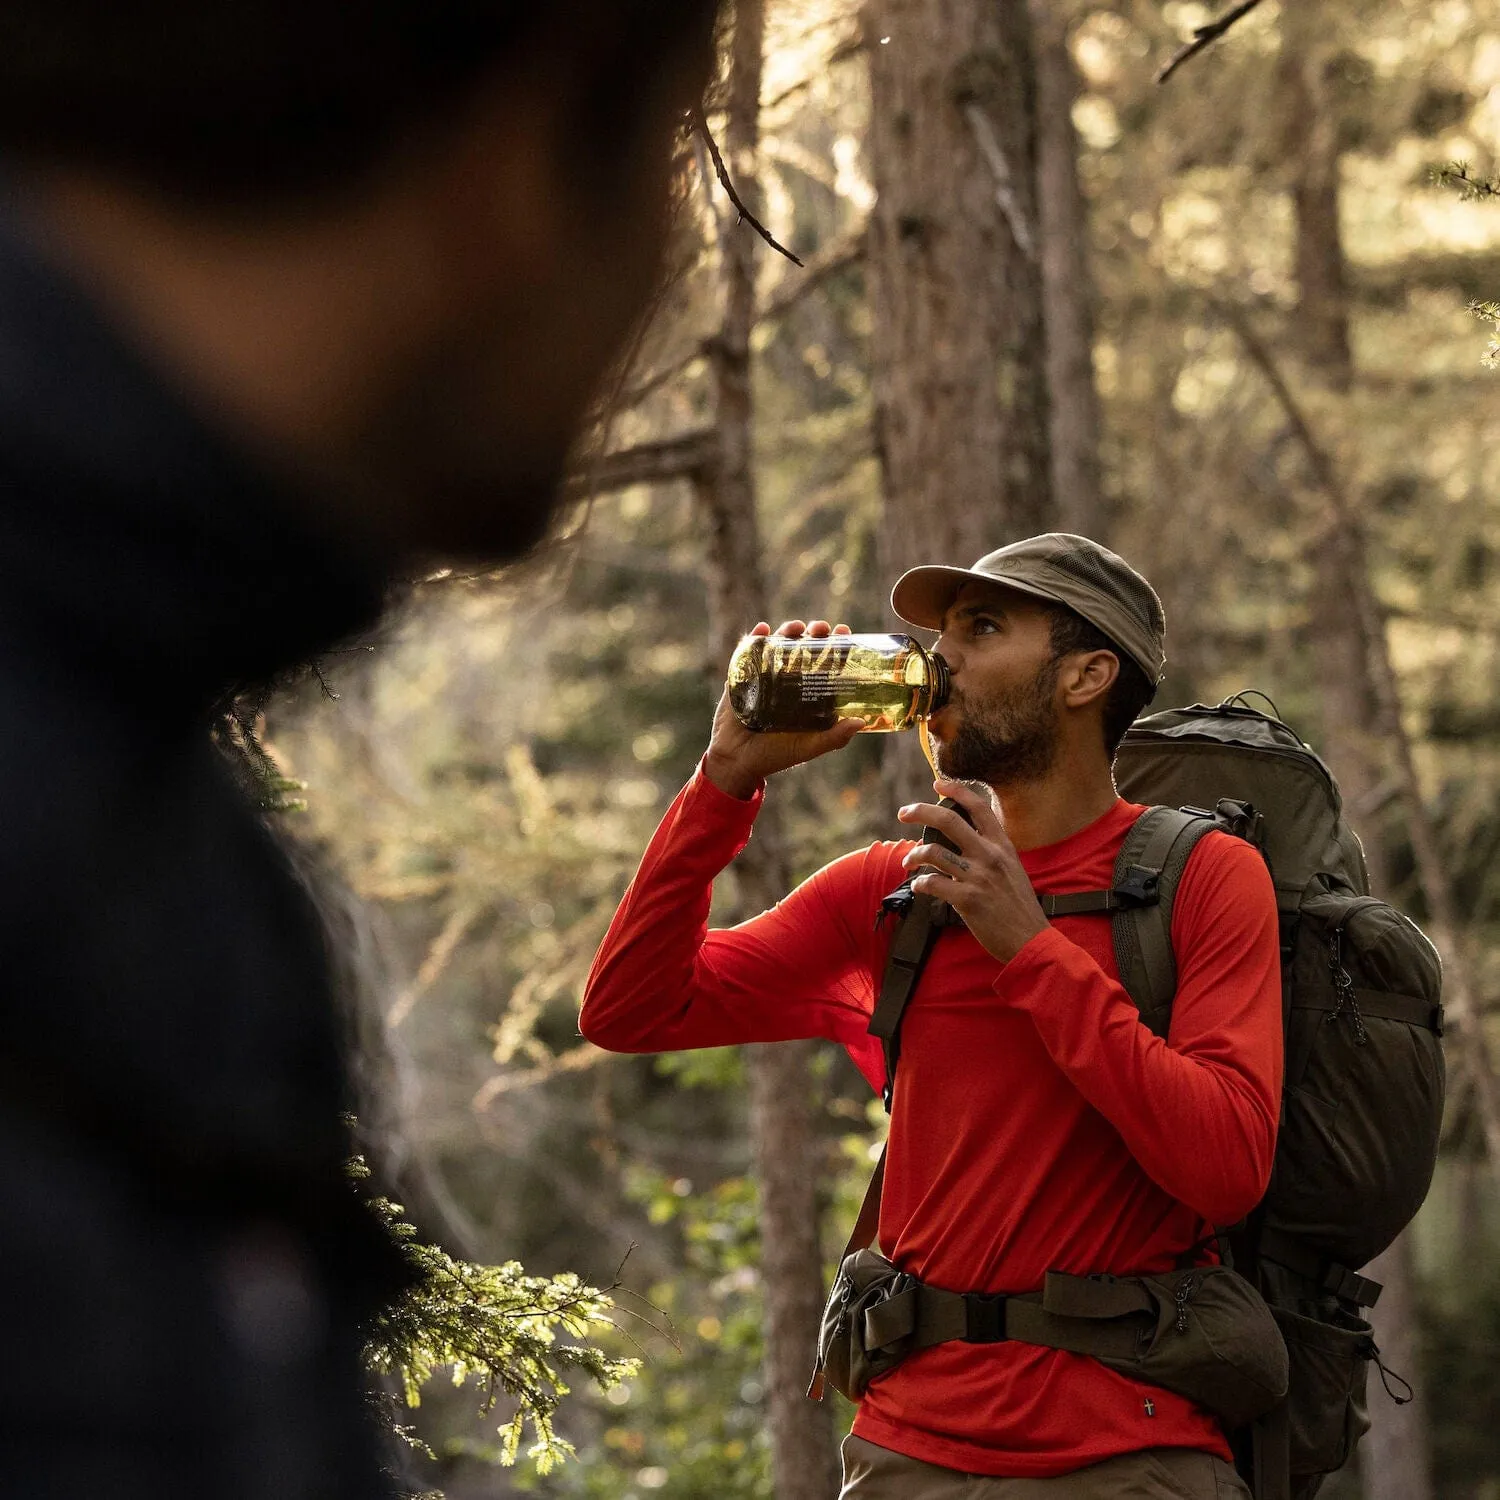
494, 1326
490, 773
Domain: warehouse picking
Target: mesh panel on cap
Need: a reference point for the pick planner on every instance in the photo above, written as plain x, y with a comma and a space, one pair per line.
1083, 564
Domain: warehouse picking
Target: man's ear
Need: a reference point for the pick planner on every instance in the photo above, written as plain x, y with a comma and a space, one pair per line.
1088, 677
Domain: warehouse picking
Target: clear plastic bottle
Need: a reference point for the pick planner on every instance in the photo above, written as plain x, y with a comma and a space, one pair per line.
802, 683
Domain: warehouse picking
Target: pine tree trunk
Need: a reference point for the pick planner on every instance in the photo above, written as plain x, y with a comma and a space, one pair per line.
1067, 285
958, 357
1395, 1458
803, 1457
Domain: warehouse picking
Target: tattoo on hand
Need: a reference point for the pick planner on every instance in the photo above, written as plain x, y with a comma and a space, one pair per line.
959, 860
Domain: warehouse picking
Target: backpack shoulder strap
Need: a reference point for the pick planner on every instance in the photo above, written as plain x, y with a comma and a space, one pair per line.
1153, 857
910, 948
922, 919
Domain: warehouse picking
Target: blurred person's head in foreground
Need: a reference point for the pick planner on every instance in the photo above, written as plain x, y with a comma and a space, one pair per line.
393, 246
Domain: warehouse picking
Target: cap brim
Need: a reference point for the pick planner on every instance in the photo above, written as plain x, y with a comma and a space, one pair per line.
923, 596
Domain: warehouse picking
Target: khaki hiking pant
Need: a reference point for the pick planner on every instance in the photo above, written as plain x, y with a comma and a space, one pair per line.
874, 1473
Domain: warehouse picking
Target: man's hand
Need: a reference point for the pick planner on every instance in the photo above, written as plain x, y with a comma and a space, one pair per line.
984, 881
739, 759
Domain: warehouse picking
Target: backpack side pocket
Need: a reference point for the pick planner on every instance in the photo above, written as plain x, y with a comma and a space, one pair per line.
865, 1280
1329, 1365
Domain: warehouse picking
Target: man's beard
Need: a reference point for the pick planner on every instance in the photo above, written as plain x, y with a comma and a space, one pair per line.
1007, 743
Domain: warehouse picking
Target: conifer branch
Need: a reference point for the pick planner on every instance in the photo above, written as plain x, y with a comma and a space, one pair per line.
494, 1326
1469, 185
1489, 312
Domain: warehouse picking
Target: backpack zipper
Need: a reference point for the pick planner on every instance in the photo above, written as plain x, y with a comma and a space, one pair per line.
1182, 1294
1343, 985
1305, 756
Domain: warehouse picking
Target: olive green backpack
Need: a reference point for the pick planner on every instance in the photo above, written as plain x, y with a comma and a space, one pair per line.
1363, 1096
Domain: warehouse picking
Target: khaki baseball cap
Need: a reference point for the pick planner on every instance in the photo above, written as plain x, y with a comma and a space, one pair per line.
1089, 579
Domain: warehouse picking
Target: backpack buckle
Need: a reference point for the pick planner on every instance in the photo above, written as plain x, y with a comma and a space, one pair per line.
1138, 887
1343, 1282
984, 1318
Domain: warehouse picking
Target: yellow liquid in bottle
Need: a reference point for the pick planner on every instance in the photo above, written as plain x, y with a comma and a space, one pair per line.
788, 685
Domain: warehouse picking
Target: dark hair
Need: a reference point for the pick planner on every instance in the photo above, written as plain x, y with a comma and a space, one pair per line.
237, 100
1128, 694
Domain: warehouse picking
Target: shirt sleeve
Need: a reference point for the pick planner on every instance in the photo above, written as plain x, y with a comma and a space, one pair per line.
662, 981
1199, 1110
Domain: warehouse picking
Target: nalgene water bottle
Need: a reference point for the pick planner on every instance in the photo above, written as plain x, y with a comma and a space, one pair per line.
801, 683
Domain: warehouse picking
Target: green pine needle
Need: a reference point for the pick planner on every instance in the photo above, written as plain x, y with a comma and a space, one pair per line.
495, 1327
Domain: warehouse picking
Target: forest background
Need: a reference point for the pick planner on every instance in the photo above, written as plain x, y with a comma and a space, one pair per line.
1222, 324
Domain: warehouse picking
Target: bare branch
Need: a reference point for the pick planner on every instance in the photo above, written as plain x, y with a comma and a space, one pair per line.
1260, 356
1204, 35
700, 126
664, 376
705, 177
683, 457
1005, 195
1461, 992
851, 46
439, 953
574, 1060
826, 264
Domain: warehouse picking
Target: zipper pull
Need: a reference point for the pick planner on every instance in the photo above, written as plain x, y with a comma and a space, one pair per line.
1182, 1295
1343, 984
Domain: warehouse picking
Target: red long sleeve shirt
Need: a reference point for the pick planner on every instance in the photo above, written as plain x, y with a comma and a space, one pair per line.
1037, 1124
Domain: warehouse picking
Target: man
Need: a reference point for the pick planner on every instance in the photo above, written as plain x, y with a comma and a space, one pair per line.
1037, 1125
293, 297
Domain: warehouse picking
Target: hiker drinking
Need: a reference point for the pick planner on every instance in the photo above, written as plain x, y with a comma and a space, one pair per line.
1054, 1163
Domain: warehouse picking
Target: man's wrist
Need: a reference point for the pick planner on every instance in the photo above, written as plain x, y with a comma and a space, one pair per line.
730, 777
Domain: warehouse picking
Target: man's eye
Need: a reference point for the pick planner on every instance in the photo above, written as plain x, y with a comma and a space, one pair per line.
983, 625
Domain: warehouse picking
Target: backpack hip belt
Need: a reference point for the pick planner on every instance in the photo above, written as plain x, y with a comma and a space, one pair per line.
1202, 1332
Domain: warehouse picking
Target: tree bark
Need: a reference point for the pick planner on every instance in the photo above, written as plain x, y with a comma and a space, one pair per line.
803, 1457
1403, 1470
1346, 691
1067, 284
1312, 139
1395, 1460
957, 349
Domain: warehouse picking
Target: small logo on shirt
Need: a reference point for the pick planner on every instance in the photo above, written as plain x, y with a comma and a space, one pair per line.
1150, 1407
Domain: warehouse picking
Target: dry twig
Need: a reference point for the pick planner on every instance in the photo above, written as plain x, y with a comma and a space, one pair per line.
1204, 35
701, 130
